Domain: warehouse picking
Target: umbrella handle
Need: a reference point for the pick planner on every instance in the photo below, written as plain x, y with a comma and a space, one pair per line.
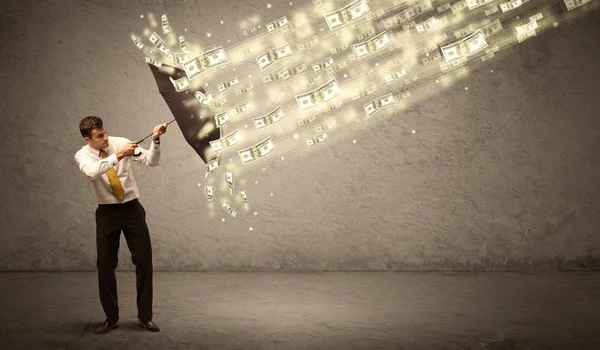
138, 142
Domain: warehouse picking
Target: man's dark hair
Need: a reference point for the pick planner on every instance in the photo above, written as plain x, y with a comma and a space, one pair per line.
88, 124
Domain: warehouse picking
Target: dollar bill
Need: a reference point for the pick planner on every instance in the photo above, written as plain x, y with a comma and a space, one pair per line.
473, 4
229, 180
322, 94
336, 67
222, 118
377, 104
491, 11
271, 118
153, 62
464, 31
283, 21
184, 46
244, 198
536, 17
370, 89
310, 81
347, 14
268, 58
324, 127
443, 8
511, 5
260, 150
180, 84
408, 14
372, 45
201, 63
365, 35
435, 56
247, 88
323, 64
242, 107
212, 165
178, 58
205, 99
159, 44
249, 31
573, 4
227, 84
216, 104
270, 77
137, 42
465, 47
225, 142
229, 209
492, 28
332, 106
526, 31
308, 43
339, 49
209, 192
457, 7
307, 121
317, 139
164, 23
395, 75
426, 25
288, 73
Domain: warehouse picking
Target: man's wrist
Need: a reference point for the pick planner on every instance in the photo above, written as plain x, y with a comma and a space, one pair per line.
156, 140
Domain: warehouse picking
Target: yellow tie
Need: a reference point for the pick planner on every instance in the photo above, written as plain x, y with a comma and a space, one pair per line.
115, 183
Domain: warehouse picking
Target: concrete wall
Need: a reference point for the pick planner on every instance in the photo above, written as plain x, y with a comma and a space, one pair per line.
504, 175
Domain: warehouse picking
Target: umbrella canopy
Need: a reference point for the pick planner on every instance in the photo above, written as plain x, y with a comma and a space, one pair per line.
198, 132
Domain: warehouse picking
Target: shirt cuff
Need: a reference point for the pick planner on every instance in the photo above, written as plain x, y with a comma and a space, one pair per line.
155, 146
112, 159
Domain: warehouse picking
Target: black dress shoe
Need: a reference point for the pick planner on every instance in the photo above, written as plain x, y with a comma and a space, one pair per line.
149, 326
106, 327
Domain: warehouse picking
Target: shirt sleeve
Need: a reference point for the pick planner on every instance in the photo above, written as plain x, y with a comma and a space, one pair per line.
149, 157
94, 169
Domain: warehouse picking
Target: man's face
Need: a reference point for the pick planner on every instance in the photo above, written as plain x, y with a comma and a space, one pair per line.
99, 139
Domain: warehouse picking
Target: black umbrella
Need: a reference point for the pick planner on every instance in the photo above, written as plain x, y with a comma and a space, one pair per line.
198, 132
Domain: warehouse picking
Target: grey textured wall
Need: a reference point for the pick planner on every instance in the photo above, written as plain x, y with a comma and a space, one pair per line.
504, 175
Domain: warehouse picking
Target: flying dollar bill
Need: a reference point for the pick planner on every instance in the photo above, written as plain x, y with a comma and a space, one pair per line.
227, 84
464, 31
308, 43
242, 107
209, 192
153, 62
526, 31
328, 126
184, 46
426, 25
323, 64
339, 49
379, 103
322, 94
159, 44
201, 63
372, 45
395, 75
164, 24
247, 88
511, 5
212, 165
222, 118
244, 198
260, 150
229, 209
137, 42
204, 98
283, 21
307, 121
347, 14
317, 139
225, 142
271, 118
491, 11
268, 58
181, 84
465, 47
408, 14
229, 180
573, 4
492, 28
178, 58
473, 4
286, 74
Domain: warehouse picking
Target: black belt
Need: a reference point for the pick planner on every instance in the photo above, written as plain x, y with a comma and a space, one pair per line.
122, 205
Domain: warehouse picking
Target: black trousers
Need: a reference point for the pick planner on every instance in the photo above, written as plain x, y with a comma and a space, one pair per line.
130, 217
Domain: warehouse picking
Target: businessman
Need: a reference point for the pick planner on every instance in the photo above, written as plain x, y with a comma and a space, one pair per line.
106, 161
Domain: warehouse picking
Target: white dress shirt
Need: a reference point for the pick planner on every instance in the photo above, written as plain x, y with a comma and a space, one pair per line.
95, 167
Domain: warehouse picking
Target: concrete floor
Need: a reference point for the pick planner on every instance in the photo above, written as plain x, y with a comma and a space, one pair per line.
310, 310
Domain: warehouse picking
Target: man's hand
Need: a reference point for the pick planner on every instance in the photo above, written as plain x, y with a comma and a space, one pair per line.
127, 150
159, 130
